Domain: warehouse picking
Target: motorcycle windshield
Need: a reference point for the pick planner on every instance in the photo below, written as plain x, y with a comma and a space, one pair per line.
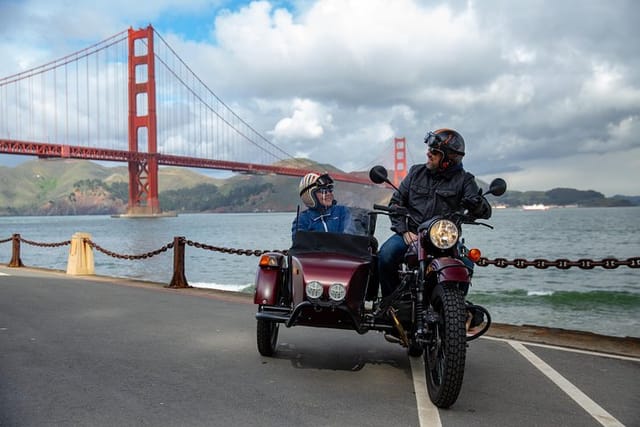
311, 242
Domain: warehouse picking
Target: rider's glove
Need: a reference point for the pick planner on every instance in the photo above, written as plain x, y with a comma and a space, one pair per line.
482, 210
409, 237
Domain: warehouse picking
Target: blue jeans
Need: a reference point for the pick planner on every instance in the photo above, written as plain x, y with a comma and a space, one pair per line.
390, 255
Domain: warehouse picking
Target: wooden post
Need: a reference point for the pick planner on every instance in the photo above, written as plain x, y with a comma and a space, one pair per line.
178, 280
15, 253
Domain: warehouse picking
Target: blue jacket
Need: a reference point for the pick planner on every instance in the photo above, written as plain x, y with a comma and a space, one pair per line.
335, 219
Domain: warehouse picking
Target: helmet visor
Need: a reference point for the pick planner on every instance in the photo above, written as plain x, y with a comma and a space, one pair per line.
433, 140
443, 143
324, 180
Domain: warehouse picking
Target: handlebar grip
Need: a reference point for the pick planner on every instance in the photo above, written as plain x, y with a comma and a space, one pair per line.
381, 208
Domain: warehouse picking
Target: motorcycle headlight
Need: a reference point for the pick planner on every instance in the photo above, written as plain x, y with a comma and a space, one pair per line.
337, 292
314, 289
443, 234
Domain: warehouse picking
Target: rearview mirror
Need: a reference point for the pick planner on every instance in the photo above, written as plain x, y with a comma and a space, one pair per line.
378, 174
497, 187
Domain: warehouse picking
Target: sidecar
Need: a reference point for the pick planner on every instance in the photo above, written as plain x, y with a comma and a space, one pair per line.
323, 281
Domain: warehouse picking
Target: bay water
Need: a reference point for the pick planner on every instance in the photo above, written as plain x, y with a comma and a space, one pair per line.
596, 300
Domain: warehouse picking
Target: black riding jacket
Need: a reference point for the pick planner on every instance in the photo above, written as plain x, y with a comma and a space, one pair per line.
426, 194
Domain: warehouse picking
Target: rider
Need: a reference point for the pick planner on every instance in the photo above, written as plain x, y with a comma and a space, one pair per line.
437, 187
323, 213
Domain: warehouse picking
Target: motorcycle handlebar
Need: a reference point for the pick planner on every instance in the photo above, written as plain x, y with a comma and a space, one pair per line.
381, 208
393, 209
463, 217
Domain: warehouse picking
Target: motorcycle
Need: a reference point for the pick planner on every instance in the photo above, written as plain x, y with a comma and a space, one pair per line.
330, 280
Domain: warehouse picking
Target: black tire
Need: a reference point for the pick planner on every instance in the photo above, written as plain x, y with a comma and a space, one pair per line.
267, 337
445, 354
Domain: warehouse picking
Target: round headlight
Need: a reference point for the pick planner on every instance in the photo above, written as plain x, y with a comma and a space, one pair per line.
443, 234
314, 289
337, 292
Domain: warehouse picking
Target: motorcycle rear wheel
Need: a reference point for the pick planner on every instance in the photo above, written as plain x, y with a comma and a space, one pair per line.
267, 337
445, 354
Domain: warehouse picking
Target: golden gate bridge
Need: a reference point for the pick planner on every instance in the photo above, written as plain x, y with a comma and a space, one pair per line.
130, 98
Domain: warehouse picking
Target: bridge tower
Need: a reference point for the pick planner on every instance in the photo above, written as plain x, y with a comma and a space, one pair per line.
143, 170
400, 160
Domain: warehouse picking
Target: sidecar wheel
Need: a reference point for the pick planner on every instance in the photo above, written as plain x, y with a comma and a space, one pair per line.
446, 351
267, 337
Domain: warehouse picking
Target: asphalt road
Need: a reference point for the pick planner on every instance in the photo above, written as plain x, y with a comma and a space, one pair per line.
110, 352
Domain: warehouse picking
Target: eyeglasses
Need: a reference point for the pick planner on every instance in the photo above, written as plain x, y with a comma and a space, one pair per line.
325, 190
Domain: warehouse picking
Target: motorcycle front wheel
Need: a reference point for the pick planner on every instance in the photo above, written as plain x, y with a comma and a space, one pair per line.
445, 352
267, 337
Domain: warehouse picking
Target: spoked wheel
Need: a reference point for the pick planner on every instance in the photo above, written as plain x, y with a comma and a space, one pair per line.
445, 353
267, 336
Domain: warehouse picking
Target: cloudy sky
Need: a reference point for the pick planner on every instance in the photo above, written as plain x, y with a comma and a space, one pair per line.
546, 93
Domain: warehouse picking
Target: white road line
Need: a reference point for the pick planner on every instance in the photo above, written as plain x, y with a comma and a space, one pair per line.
569, 349
427, 412
592, 408
3, 274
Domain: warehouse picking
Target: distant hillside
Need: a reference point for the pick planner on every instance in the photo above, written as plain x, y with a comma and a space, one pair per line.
68, 187
565, 197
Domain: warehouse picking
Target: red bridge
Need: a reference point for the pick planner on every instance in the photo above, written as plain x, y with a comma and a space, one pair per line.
125, 100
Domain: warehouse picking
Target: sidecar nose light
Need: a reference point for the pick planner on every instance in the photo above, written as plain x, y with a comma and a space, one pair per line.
337, 292
314, 289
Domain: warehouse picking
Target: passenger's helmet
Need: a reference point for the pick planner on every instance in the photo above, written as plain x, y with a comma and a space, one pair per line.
309, 186
450, 143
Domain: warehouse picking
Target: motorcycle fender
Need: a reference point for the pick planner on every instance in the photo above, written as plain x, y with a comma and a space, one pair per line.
267, 284
449, 270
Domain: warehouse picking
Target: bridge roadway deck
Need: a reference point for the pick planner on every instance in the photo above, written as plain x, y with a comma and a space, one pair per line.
97, 351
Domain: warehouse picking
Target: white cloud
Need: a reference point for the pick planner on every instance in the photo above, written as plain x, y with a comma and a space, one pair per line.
305, 122
527, 85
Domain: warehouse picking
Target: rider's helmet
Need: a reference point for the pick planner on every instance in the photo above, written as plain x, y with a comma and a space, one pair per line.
309, 186
450, 143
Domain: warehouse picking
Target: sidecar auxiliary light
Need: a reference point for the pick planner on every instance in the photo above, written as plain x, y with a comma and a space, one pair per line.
314, 289
337, 292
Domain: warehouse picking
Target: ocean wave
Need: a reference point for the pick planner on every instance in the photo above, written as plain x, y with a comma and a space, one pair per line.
248, 288
568, 299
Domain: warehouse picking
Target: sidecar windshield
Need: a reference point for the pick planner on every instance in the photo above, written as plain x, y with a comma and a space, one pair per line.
310, 242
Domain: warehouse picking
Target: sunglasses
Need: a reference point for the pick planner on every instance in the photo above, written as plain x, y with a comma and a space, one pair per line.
325, 190
435, 151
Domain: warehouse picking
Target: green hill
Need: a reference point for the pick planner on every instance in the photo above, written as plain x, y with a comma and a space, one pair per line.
45, 186
69, 187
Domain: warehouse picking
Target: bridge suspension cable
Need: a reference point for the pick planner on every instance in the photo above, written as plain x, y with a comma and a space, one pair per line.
222, 103
102, 45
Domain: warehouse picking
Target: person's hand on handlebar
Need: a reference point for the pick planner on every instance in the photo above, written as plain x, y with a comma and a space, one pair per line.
409, 237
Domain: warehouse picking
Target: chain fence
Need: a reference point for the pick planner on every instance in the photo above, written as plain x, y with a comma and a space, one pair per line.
179, 279
562, 263
112, 254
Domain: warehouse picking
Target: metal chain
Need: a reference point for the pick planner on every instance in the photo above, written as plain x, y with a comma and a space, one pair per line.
540, 263
247, 252
45, 245
563, 264
129, 257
